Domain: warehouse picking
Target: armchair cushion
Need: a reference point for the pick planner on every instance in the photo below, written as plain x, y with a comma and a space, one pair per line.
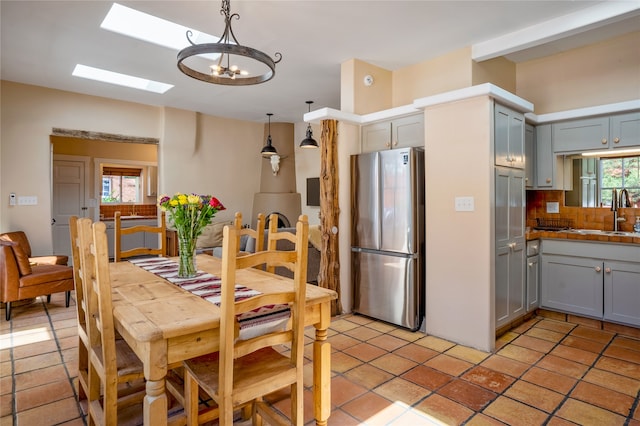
21, 239
21, 258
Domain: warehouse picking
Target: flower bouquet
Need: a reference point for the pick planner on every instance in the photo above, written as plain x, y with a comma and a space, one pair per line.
190, 213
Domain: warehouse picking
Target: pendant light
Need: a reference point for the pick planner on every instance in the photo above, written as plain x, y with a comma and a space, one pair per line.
268, 150
309, 141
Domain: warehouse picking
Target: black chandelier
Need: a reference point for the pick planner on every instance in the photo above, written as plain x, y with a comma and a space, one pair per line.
268, 150
225, 71
309, 141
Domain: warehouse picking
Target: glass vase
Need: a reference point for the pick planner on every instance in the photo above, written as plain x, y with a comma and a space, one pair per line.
187, 263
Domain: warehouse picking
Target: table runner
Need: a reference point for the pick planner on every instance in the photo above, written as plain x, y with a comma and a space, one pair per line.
263, 320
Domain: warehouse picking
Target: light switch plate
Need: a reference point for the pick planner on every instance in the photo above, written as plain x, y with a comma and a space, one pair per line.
553, 207
27, 200
465, 204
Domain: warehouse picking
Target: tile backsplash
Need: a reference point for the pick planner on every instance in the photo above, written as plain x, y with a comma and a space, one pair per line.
581, 217
108, 211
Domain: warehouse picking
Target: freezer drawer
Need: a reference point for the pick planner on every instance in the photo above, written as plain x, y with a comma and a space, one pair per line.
387, 287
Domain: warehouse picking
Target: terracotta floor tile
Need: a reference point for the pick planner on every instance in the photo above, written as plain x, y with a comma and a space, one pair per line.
626, 342
393, 364
401, 390
6, 368
40, 377
342, 325
373, 409
544, 334
563, 366
50, 414
284, 406
387, 342
553, 325
505, 339
534, 343
408, 335
6, 407
515, 413
37, 362
488, 379
592, 334
340, 342
468, 354
45, 394
427, 377
526, 325
365, 351
603, 397
414, 418
37, 348
626, 354
6, 386
467, 394
584, 344
448, 364
445, 410
483, 420
550, 380
613, 381
506, 365
585, 414
619, 366
559, 421
518, 353
416, 353
435, 343
339, 417
344, 390
368, 376
362, 333
575, 354
535, 396
358, 319
342, 362
381, 326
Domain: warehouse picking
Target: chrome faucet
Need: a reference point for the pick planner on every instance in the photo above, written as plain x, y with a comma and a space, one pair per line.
624, 198
614, 208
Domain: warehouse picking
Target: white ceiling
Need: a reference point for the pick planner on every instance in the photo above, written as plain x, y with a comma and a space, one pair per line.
42, 41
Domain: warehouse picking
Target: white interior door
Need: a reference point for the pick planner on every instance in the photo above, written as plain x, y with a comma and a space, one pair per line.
69, 198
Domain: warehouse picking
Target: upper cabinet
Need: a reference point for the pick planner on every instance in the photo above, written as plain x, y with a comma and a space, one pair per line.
598, 133
509, 137
529, 155
152, 181
390, 134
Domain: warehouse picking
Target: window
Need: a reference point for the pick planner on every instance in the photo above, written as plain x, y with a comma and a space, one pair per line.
620, 173
121, 185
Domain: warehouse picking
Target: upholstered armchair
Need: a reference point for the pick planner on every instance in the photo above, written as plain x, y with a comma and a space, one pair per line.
22, 279
21, 238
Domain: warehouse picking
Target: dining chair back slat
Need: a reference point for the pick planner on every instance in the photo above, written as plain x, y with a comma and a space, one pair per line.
81, 309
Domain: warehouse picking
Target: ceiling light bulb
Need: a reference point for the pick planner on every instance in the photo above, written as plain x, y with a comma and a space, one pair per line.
243, 72
234, 68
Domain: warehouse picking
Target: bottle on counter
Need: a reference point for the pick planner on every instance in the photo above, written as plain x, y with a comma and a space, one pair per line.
636, 227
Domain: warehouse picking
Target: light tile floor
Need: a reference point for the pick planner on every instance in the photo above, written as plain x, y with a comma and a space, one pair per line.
545, 372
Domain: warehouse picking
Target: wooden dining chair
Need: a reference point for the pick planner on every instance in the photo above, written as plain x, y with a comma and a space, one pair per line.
274, 235
257, 234
83, 335
111, 361
244, 370
120, 233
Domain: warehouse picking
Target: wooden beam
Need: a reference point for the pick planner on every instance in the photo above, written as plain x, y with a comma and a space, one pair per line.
329, 276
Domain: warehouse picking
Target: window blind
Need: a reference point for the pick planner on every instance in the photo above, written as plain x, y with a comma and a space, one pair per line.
120, 171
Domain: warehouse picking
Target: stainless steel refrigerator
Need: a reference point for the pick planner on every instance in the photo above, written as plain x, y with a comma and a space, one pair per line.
387, 240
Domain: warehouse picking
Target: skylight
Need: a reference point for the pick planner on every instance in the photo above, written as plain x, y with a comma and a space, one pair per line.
149, 28
120, 79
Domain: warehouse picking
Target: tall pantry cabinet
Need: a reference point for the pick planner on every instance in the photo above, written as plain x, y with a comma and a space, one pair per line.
509, 239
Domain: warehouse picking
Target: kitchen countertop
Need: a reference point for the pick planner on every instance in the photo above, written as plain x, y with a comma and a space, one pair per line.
136, 217
585, 235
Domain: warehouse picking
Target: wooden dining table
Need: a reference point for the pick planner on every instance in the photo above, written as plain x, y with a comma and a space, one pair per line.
165, 324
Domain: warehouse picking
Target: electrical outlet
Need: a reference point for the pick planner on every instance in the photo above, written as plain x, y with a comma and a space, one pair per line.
465, 204
27, 200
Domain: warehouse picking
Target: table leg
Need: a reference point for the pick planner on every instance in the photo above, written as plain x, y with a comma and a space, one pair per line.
155, 371
322, 368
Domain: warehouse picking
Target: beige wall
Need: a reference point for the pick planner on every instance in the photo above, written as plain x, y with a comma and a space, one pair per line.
459, 298
196, 153
358, 98
307, 166
597, 74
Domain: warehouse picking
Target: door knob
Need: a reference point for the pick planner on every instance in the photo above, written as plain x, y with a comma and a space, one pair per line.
607, 270
604, 141
616, 140
598, 269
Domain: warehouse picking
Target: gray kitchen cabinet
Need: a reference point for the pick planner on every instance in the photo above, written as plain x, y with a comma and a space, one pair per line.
551, 169
533, 275
597, 133
397, 133
529, 156
140, 239
510, 252
622, 292
508, 137
595, 279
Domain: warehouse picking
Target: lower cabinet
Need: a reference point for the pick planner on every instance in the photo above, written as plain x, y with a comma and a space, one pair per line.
533, 282
598, 280
139, 239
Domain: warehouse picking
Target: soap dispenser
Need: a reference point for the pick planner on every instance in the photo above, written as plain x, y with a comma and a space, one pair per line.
636, 227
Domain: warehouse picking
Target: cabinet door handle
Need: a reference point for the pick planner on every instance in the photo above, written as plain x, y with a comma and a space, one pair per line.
512, 245
548, 180
616, 140
530, 264
604, 141
395, 143
607, 270
388, 144
598, 269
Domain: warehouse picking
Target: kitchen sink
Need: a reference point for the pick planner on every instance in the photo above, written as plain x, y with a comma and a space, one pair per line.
601, 232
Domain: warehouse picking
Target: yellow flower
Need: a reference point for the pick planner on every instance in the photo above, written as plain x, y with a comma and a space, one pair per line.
173, 203
182, 199
193, 199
